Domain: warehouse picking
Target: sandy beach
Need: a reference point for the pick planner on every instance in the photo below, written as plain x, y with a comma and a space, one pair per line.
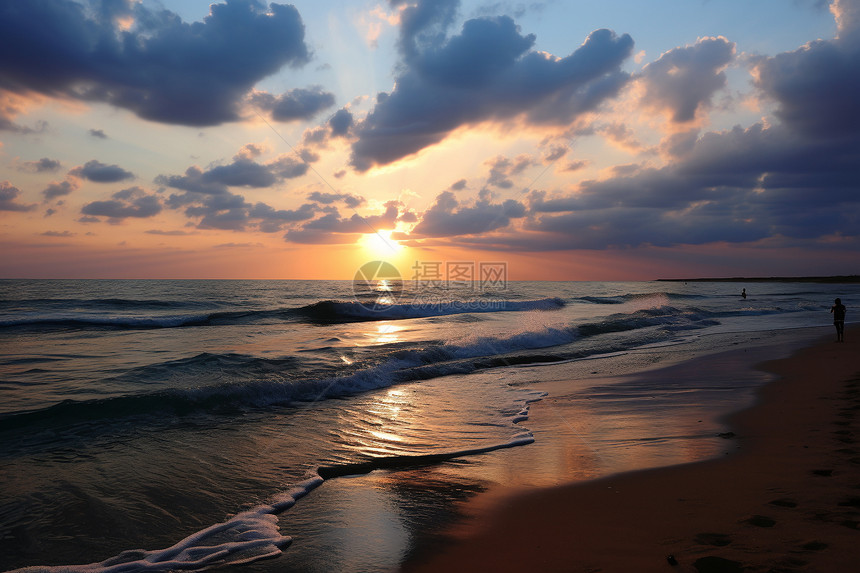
786, 499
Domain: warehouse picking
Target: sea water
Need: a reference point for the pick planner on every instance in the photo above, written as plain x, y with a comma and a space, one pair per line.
164, 425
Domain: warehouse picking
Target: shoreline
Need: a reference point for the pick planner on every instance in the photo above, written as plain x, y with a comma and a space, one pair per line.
784, 500
834, 279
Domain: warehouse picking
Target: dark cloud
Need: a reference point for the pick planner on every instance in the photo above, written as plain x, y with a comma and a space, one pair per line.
817, 86
231, 212
133, 202
684, 80
424, 24
224, 211
9, 198
44, 165
162, 69
290, 167
738, 186
340, 122
331, 228
192, 181
333, 223
59, 188
555, 152
98, 172
242, 171
350, 200
272, 220
448, 218
294, 105
98, 133
486, 73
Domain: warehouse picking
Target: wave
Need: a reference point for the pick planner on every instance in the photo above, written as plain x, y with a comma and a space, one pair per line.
69, 320
236, 382
261, 382
340, 311
669, 318
327, 311
250, 382
630, 297
254, 535
111, 303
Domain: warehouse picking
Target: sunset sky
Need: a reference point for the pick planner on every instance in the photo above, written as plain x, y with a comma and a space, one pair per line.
573, 140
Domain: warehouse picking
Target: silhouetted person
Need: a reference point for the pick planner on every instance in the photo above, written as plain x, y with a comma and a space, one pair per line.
838, 311
744, 293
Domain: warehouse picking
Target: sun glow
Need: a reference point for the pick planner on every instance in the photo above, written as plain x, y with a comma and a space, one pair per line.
380, 245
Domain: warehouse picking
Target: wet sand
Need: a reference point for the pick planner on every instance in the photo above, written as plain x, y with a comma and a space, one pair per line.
786, 499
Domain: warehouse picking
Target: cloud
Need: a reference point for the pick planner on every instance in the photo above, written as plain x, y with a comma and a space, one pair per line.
242, 171
288, 166
447, 217
737, 186
60, 188
172, 233
98, 133
9, 198
331, 228
272, 220
224, 211
817, 87
133, 202
488, 72
12, 105
294, 105
98, 172
63, 234
238, 245
160, 68
227, 211
503, 168
340, 122
683, 80
44, 165
350, 200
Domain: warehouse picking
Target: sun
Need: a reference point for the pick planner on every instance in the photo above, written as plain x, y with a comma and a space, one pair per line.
380, 245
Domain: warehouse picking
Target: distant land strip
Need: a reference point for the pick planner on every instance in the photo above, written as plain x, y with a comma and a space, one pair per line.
833, 279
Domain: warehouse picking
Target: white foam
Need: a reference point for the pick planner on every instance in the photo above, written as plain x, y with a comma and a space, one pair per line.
246, 537
251, 535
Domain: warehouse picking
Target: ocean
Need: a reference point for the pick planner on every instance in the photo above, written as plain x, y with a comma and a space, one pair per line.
158, 425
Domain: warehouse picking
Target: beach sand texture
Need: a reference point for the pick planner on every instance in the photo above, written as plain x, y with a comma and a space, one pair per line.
787, 500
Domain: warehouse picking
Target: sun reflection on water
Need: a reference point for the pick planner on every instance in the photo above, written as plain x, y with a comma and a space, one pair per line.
385, 333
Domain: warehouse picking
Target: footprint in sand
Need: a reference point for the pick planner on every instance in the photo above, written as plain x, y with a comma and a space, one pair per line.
850, 502
823, 473
815, 546
784, 502
717, 539
760, 521
713, 564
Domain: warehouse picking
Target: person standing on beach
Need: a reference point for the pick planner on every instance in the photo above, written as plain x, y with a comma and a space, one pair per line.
838, 311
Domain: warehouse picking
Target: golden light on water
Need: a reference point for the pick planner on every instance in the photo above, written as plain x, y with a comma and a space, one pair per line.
386, 333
